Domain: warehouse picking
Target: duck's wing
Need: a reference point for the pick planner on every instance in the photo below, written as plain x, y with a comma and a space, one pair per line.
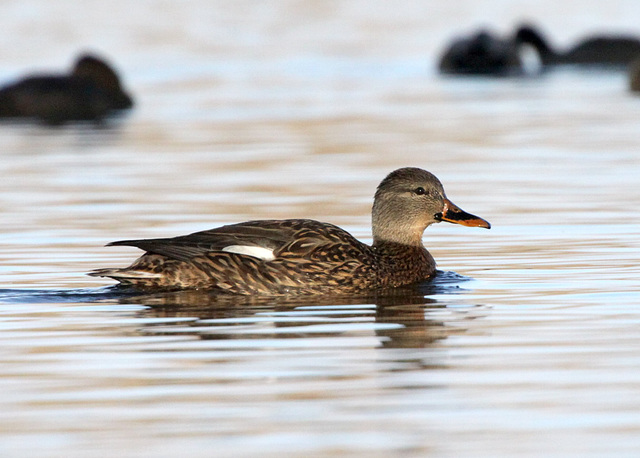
605, 50
263, 239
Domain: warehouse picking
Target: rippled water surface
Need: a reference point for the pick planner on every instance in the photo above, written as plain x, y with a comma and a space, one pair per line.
526, 344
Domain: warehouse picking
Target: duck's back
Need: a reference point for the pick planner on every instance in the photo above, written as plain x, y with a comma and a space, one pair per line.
605, 51
53, 99
265, 257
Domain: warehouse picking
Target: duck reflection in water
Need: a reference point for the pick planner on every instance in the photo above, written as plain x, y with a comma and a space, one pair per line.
90, 92
399, 318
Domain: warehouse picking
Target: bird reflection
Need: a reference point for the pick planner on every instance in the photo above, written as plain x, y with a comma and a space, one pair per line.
399, 318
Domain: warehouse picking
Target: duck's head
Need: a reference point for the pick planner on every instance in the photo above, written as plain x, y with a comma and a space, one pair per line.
410, 199
527, 34
103, 76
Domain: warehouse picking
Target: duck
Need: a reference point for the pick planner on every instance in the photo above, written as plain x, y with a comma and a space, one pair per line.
634, 76
605, 50
482, 53
91, 91
304, 256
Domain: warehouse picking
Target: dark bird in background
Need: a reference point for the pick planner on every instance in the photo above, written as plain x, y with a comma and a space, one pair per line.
90, 92
483, 53
600, 50
634, 76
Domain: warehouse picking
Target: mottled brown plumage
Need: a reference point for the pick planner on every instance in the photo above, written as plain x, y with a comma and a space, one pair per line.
301, 256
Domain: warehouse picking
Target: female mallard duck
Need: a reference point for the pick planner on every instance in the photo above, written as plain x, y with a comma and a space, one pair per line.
303, 256
609, 50
90, 92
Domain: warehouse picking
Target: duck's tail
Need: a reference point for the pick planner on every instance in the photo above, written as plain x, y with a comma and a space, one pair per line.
125, 275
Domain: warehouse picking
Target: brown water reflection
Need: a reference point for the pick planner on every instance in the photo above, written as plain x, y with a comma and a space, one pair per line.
398, 318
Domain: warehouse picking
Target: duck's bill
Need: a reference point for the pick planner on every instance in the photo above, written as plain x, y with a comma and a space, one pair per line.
454, 214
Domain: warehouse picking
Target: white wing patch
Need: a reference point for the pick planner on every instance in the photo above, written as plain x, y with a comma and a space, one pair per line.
255, 251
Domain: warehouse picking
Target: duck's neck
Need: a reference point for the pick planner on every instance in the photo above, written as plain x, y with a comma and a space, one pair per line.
391, 249
381, 240
387, 230
530, 36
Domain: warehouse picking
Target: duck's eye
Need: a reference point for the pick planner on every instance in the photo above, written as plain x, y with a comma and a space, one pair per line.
420, 191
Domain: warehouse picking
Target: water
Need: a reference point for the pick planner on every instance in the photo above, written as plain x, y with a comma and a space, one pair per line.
525, 345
